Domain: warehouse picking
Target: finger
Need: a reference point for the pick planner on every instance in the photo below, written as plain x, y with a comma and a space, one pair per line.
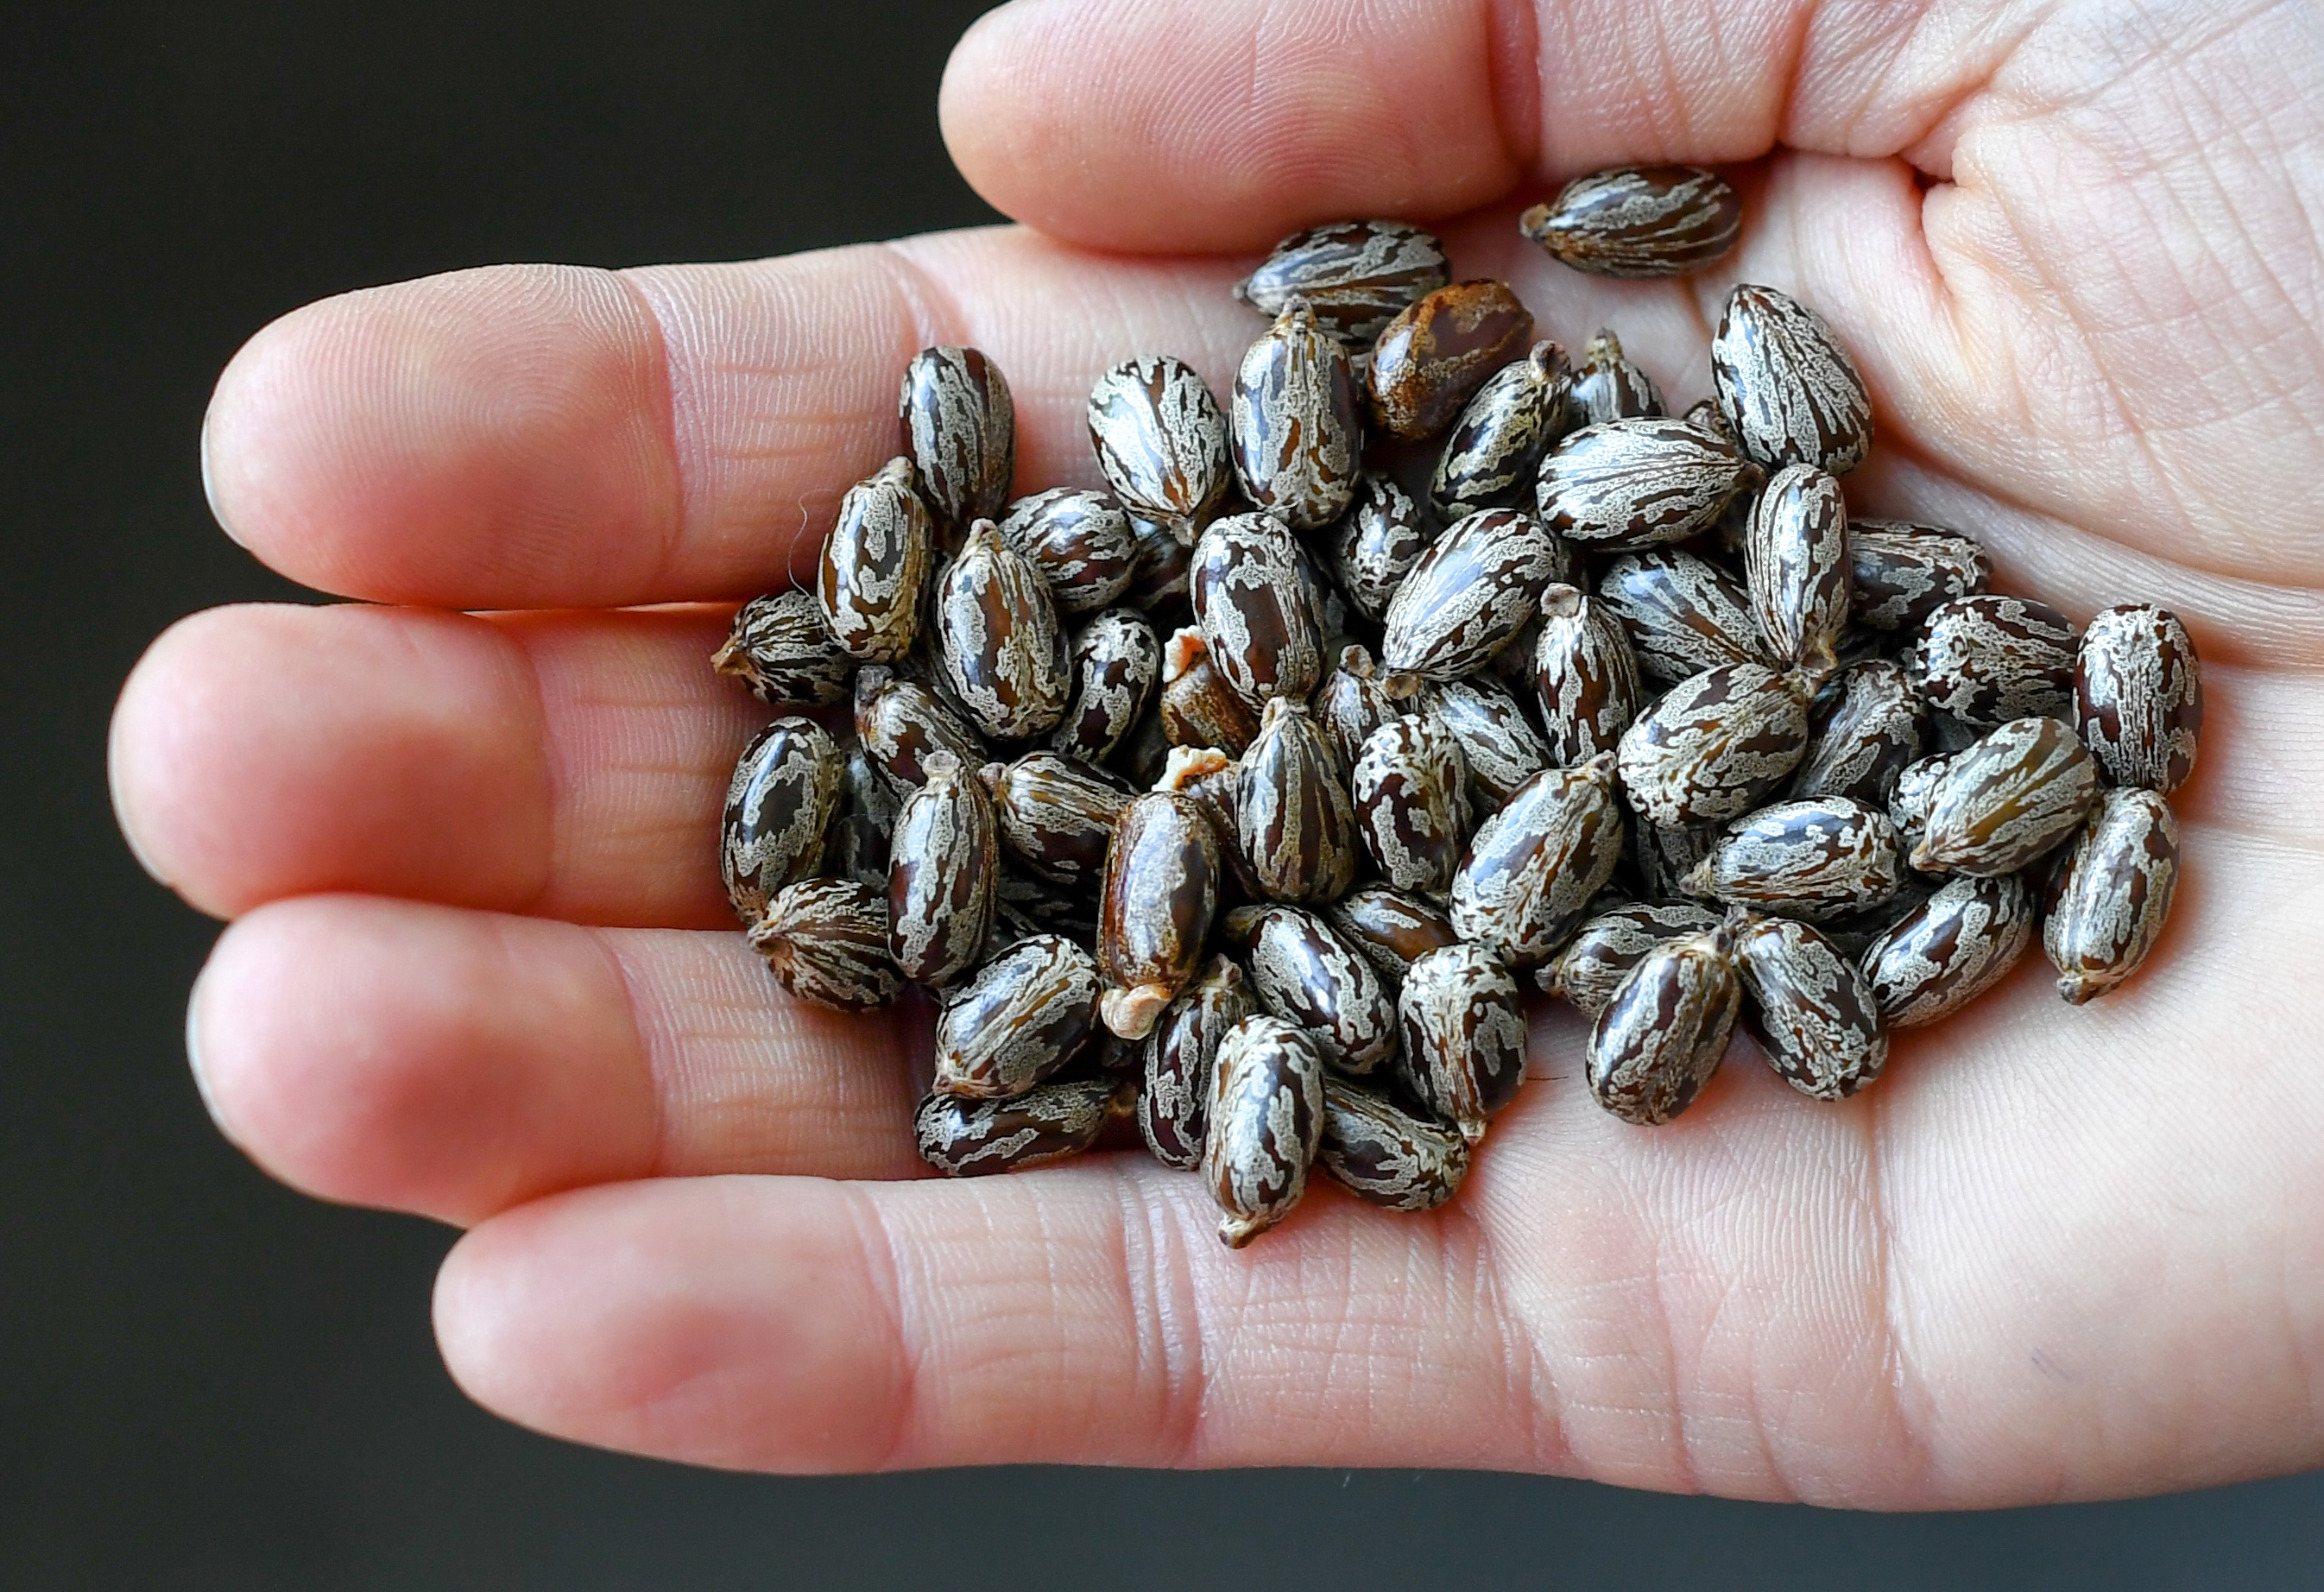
534, 436
453, 1062
569, 765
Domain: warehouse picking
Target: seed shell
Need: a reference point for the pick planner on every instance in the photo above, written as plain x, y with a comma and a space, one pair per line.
1462, 1031
1394, 927
1902, 570
1115, 660
1384, 1154
1431, 358
782, 650
1606, 947
900, 722
1199, 708
2113, 894
940, 879
1292, 813
1356, 275
1530, 874
1161, 441
959, 427
1586, 675
1627, 485
1805, 859
1161, 887
2000, 806
2138, 696
1375, 543
1174, 1108
1471, 593
1963, 941
1665, 1031
1715, 745
1987, 660
874, 560
1055, 1122
1864, 729
1056, 816
1607, 386
1795, 563
779, 804
1410, 788
1495, 447
1255, 616
1638, 221
1789, 391
1683, 614
1082, 543
1810, 1008
1304, 971
1294, 421
1267, 1114
827, 941
1018, 1019
1498, 742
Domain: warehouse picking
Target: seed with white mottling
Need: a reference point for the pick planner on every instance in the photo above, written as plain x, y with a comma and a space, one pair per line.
1161, 441
874, 558
1471, 593
1665, 1031
1665, 854
1081, 541
1161, 889
1528, 876
1789, 391
1606, 946
899, 723
1908, 802
1461, 1028
1438, 351
827, 941
1020, 1018
1304, 971
1056, 816
1292, 813
1357, 275
1864, 728
1350, 704
1384, 1154
1683, 614
1375, 543
1963, 941
1902, 570
1055, 1122
1587, 675
1116, 660
779, 804
862, 822
1498, 741
2008, 800
1627, 485
1810, 1010
2138, 696
1266, 1115
2114, 895
782, 650
1174, 1108
1254, 612
998, 635
1493, 450
1715, 745
1638, 221
1807, 859
1410, 787
1795, 562
1210, 777
1293, 423
1987, 660
1199, 708
1394, 927
941, 877
960, 429
1157, 566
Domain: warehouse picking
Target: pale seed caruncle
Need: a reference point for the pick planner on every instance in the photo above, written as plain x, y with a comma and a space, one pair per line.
1199, 708
1528, 877
959, 427
827, 941
1161, 441
898, 722
1294, 422
2138, 696
1715, 745
1471, 593
1611, 943
1962, 942
779, 804
1356, 275
1901, 570
1789, 391
998, 636
874, 558
1304, 971
1174, 1107
1116, 660
1586, 675
1055, 1122
1808, 859
1431, 358
1291, 811
782, 650
1410, 788
862, 824
1987, 660
2006, 801
1498, 742
1665, 1031
941, 876
1350, 704
1809, 1007
1385, 1156
1267, 1114
1056, 816
1375, 543
1394, 927
1017, 1020
1493, 450
1627, 485
1462, 1036
1795, 563
1638, 221
1683, 614
2114, 895
1607, 386
1254, 612
1864, 729
1081, 542
1161, 887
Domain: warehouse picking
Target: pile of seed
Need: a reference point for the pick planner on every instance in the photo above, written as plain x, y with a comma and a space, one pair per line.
1244, 800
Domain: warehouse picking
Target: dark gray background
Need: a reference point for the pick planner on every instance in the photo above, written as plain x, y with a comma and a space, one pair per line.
207, 1380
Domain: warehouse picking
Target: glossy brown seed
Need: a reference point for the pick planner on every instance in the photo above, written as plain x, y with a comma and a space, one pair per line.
1350, 704
1199, 708
2008, 800
1081, 541
1462, 1029
1431, 358
827, 941
1715, 745
960, 429
1498, 742
1471, 591
1609, 943
1253, 611
1161, 441
1526, 880
899, 723
1055, 816
1902, 570
1963, 941
1292, 813
1356, 274
1304, 971
1683, 614
782, 650
1864, 728
1146, 750
941, 877
1853, 933
1586, 675
1375, 543
1174, 1108
1212, 778
1987, 660
1810, 1008
1161, 887
1334, 620
1789, 391
1394, 927
1018, 1019
1795, 563
862, 822
1665, 1031
1384, 1154
1493, 450
998, 640
2138, 696
1607, 386
2114, 893
1267, 1114
1410, 787
1807, 859
1627, 485
779, 804
1055, 1122
1638, 221
1158, 567
1908, 802
1116, 660
874, 560
1294, 422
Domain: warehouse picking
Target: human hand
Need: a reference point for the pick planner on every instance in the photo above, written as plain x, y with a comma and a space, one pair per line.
482, 969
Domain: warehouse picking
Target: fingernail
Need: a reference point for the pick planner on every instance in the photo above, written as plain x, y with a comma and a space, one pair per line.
209, 488
194, 1052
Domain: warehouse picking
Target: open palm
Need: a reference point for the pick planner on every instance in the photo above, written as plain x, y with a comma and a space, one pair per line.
482, 967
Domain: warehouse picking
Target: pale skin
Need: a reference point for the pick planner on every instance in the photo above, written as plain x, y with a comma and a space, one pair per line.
479, 966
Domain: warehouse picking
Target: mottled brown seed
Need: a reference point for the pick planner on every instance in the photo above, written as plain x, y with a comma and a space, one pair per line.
1586, 675
1267, 1114
1431, 358
1356, 275
1394, 927
1056, 816
1638, 221
1018, 1018
1146, 750
1350, 704
1469, 594
1987, 660
1609, 943
1908, 802
1292, 813
1808, 859
999, 639
1528, 877
874, 561
827, 941
1375, 543
2114, 895
1161, 889
1864, 728
1199, 708
1795, 565
1158, 568
1493, 450
1294, 422
1335, 620
1901, 570
1498, 742
1410, 787
1715, 745
1174, 1108
1161, 441
1056, 1122
1963, 941
862, 822
1304, 971
1461, 1031
2000, 806
1683, 614
959, 427
1789, 391
1607, 386
941, 878
1212, 778
1627, 485
898, 722
1384, 1154
2138, 696
1082, 543
1665, 854
1853, 933
1665, 1031
779, 805
1027, 904
1116, 660
782, 650
1253, 611
1810, 1008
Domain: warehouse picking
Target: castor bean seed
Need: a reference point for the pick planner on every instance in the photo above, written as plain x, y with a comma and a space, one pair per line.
1715, 745
1665, 1031
1987, 660
1810, 1008
2114, 893
782, 650
1627, 485
2003, 803
778, 805
1267, 1114
1292, 811
1350, 704
1174, 1108
1116, 660
1294, 421
1375, 543
1017, 1020
1410, 787
1253, 610
1611, 943
941, 876
1499, 744
1302, 970
1902, 570
1807, 859
1528, 877
1160, 441
898, 722
1683, 614
1471, 593
1056, 816
863, 821
1908, 802
1431, 358
1355, 275
1787, 388
959, 427
1795, 565
827, 941
1607, 386
1161, 887
1462, 1036
1638, 221
1385, 1156
1864, 728
1394, 927
874, 558
1199, 708
1494, 449
1082, 543
1055, 1122
2138, 696
1586, 675
1962, 942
